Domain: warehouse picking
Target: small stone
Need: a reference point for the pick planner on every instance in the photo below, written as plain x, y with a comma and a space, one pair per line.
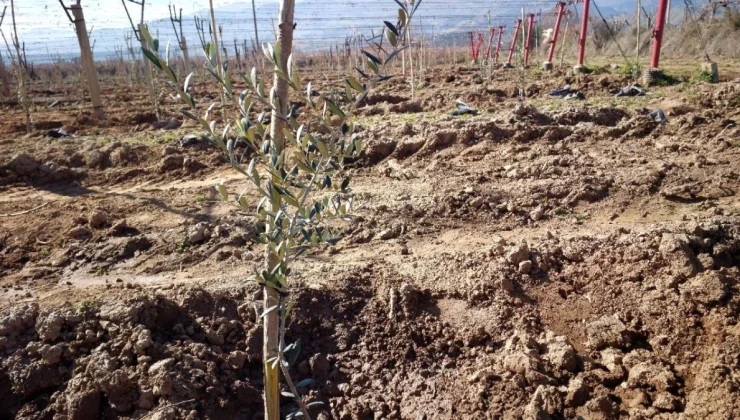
319, 365
171, 162
98, 218
537, 214
388, 234
476, 202
496, 250
359, 379
49, 327
198, 233
161, 367
612, 359
707, 288
214, 337
608, 331
146, 399
577, 393
169, 150
519, 253
507, 284
118, 227
521, 110
51, 354
651, 375
545, 403
484, 374
665, 401
237, 359
143, 342
83, 405
601, 407
561, 354
162, 385
94, 159
79, 233
525, 267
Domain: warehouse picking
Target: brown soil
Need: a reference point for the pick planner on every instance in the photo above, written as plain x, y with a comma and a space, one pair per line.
545, 259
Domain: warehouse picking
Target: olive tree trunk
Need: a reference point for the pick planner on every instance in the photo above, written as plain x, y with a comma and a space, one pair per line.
271, 296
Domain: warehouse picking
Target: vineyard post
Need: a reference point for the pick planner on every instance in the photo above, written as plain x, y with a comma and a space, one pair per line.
185, 52
88, 65
491, 32
149, 75
579, 67
547, 65
513, 43
528, 41
658, 35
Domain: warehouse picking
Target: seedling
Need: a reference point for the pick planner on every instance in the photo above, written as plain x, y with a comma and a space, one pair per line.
297, 168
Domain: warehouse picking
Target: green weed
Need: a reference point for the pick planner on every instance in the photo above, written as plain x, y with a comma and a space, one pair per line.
704, 76
86, 307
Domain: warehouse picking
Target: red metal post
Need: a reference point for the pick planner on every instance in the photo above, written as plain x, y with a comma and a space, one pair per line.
658, 34
561, 8
513, 41
498, 45
582, 36
490, 42
529, 38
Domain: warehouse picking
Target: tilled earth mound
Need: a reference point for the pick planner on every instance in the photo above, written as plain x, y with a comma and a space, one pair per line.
614, 293
638, 324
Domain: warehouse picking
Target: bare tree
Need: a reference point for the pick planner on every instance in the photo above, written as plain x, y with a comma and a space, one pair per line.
179, 35
3, 73
16, 59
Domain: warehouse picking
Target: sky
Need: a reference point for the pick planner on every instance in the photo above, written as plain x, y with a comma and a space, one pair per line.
32, 15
